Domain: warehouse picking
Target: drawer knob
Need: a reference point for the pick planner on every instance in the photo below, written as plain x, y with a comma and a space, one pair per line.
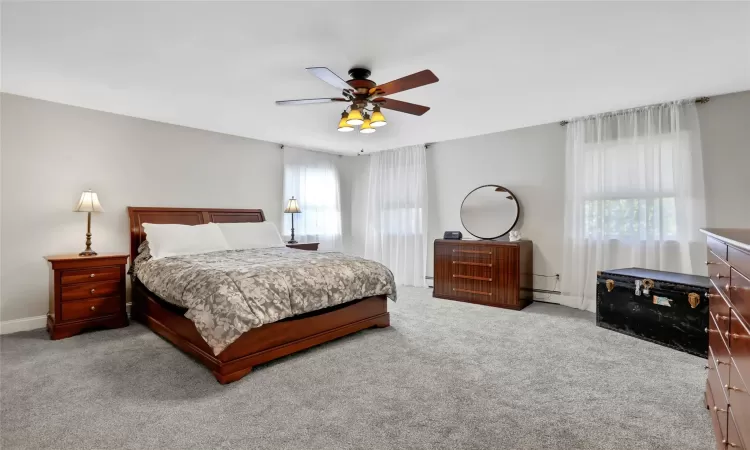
92, 291
92, 275
93, 308
717, 409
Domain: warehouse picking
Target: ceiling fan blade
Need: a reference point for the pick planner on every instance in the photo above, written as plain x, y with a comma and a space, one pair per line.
412, 81
404, 107
310, 101
325, 74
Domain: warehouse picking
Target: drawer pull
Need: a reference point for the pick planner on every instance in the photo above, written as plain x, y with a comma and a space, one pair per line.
473, 292
93, 308
717, 409
718, 361
712, 295
92, 275
720, 276
730, 444
479, 252
710, 262
733, 388
469, 277
92, 291
465, 263
721, 318
736, 336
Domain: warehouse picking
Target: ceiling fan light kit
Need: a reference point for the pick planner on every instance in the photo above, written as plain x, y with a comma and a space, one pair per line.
363, 93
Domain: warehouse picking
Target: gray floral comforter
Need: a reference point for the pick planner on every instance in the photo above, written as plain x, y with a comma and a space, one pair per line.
229, 292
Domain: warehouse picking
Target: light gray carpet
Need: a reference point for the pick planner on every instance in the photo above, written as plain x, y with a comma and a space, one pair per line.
445, 375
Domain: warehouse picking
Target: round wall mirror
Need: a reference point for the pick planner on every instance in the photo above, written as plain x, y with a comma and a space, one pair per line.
489, 212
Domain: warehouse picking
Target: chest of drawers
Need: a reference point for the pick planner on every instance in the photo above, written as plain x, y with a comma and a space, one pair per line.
86, 292
494, 273
727, 394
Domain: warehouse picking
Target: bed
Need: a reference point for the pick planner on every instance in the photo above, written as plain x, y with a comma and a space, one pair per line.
257, 345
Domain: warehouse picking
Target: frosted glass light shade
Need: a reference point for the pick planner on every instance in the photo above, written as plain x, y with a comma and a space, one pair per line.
292, 206
89, 202
343, 126
378, 119
366, 127
355, 118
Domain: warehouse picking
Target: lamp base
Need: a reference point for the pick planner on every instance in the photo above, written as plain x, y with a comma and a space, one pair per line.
292, 242
88, 252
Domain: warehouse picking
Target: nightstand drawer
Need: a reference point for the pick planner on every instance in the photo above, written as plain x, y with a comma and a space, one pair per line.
87, 309
90, 290
90, 275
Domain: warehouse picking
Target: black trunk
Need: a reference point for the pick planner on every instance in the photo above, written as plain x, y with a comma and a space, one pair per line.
674, 312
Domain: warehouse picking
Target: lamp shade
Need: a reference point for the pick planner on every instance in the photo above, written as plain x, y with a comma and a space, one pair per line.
89, 202
292, 206
343, 126
378, 119
355, 117
366, 127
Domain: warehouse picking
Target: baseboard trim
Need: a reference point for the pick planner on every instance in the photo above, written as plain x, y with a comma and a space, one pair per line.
25, 324
572, 302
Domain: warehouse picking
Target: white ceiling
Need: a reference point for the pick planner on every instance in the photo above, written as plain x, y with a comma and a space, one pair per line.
221, 66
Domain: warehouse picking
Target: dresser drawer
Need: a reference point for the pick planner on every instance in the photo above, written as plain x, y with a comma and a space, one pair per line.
739, 402
718, 272
717, 247
739, 344
718, 309
477, 253
719, 360
740, 260
90, 290
91, 308
733, 440
739, 294
90, 275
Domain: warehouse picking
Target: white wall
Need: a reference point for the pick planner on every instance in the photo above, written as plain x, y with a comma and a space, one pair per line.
52, 152
725, 132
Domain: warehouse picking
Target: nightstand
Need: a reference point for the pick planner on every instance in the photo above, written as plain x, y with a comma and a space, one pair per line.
304, 246
86, 292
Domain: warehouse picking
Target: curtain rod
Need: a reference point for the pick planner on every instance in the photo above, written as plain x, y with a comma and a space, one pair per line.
697, 100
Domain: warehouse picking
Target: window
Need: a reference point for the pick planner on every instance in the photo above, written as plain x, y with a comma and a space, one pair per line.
316, 186
624, 203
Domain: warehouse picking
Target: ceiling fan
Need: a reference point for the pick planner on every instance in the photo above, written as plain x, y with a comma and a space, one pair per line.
366, 98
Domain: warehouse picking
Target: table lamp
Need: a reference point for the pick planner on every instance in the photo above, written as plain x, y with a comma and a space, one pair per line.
292, 208
88, 203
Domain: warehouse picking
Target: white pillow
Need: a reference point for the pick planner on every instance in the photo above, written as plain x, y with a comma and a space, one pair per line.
244, 235
175, 240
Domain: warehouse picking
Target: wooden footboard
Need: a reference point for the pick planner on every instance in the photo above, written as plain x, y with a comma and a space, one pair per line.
258, 345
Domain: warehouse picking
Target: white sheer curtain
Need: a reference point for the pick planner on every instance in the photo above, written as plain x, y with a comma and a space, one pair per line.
397, 213
313, 179
634, 195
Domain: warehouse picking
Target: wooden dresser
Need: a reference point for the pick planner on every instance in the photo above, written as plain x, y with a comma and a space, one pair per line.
727, 394
86, 292
494, 273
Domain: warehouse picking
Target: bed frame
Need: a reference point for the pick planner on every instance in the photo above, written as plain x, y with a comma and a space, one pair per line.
258, 345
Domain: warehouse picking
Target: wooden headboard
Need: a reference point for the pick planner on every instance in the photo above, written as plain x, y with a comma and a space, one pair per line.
184, 216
